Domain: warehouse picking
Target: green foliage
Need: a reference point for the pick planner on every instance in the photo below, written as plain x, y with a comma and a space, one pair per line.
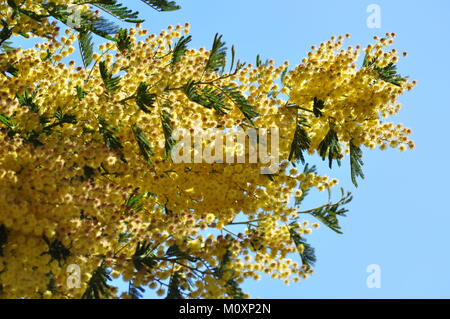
118, 11
89, 22
330, 145
86, 46
307, 252
162, 5
98, 284
174, 291
136, 292
5, 46
306, 170
27, 100
256, 237
259, 61
124, 237
11, 69
5, 34
144, 99
177, 253
387, 73
133, 203
233, 289
318, 106
10, 125
123, 40
62, 119
56, 250
283, 75
7, 121
111, 83
356, 163
217, 55
233, 57
179, 50
208, 96
112, 141
248, 110
32, 137
144, 144
51, 286
300, 143
328, 214
80, 92
88, 172
143, 257
3, 238
166, 122
212, 96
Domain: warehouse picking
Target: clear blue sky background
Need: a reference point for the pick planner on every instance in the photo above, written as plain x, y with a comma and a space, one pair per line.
399, 218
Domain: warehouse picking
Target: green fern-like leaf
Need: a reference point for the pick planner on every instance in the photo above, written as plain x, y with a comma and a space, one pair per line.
387, 73
80, 92
134, 202
28, 100
6, 46
356, 163
330, 145
123, 40
162, 5
174, 291
86, 46
328, 214
118, 11
305, 190
208, 96
144, 99
143, 257
143, 143
5, 33
111, 83
56, 250
89, 21
136, 292
179, 50
166, 122
305, 250
98, 286
300, 143
318, 106
8, 122
109, 134
217, 55
3, 238
248, 110
177, 253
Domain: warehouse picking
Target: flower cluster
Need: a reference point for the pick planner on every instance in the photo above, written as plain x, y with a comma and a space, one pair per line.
86, 177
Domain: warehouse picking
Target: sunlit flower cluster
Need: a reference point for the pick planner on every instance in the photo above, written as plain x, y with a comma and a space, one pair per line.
65, 193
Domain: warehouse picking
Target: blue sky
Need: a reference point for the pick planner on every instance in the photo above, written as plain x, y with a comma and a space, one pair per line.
399, 218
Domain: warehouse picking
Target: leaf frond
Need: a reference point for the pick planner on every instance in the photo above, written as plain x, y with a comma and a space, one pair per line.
217, 55
330, 145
